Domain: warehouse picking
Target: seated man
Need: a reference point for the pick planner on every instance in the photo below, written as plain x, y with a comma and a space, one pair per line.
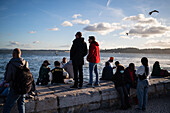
57, 75
68, 67
107, 73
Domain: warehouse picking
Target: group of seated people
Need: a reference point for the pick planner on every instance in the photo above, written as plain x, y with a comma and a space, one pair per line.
63, 70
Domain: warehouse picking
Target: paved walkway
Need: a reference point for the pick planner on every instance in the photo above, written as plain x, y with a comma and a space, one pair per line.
159, 105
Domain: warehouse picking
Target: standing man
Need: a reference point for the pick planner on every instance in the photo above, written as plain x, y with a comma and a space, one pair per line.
77, 53
10, 76
93, 58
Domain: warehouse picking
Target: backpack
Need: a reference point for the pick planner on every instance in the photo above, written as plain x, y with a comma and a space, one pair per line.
143, 77
22, 83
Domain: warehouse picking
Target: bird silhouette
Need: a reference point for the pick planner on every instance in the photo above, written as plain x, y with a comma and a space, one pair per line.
150, 13
127, 34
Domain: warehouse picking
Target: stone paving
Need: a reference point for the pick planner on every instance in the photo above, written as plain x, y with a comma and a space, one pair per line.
156, 105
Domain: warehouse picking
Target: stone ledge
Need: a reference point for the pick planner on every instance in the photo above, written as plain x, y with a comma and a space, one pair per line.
62, 99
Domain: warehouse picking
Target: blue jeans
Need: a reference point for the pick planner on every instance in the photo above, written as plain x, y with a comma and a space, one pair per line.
142, 93
91, 67
11, 100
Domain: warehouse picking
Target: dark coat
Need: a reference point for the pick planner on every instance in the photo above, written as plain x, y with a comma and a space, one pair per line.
128, 77
107, 73
94, 53
78, 51
118, 77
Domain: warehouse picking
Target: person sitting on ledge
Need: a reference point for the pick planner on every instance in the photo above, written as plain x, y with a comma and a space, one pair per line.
57, 75
107, 73
110, 61
157, 71
63, 62
68, 67
43, 73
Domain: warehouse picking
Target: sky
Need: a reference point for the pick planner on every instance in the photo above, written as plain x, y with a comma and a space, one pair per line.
52, 24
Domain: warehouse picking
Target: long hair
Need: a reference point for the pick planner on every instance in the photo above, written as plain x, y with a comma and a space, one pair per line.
144, 62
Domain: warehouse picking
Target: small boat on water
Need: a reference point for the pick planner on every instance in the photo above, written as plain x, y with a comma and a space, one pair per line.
56, 53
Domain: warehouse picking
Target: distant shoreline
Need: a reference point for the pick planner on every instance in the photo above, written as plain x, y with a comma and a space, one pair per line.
118, 50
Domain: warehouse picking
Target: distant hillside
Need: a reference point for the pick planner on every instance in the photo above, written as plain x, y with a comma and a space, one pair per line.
118, 50
136, 50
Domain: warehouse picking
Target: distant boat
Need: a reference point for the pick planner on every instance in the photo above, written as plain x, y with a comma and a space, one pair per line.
56, 53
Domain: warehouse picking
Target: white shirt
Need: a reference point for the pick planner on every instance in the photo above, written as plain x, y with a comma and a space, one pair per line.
141, 70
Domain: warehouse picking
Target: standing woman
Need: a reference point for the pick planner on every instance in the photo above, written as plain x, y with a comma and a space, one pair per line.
93, 58
142, 85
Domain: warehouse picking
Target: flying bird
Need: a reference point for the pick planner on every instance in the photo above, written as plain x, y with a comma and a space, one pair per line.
127, 34
150, 13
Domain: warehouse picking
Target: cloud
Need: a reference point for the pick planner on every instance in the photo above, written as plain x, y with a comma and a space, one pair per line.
80, 21
67, 23
53, 29
158, 43
146, 27
141, 19
13, 43
76, 15
36, 42
64, 46
17, 44
103, 28
108, 3
32, 32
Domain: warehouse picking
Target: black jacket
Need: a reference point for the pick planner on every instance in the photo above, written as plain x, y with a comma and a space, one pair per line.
78, 51
118, 77
128, 77
107, 73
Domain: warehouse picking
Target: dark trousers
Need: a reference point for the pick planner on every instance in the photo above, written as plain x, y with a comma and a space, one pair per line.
122, 90
78, 69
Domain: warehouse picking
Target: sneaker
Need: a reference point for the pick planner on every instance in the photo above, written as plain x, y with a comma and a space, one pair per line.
89, 85
73, 86
97, 85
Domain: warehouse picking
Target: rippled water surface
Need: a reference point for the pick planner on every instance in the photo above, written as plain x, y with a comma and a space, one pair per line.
35, 59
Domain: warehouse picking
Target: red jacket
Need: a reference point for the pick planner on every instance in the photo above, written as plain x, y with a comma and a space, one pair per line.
94, 53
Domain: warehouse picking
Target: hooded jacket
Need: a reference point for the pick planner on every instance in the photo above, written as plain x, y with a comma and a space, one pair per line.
94, 53
11, 69
78, 51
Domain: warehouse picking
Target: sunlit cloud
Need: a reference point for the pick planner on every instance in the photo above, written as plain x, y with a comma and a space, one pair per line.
158, 43
17, 44
76, 16
103, 28
36, 42
53, 29
146, 27
32, 32
80, 21
67, 23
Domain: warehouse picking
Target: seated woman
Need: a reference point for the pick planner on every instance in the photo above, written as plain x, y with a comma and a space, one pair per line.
120, 85
131, 79
43, 73
157, 71
68, 67
107, 73
57, 75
